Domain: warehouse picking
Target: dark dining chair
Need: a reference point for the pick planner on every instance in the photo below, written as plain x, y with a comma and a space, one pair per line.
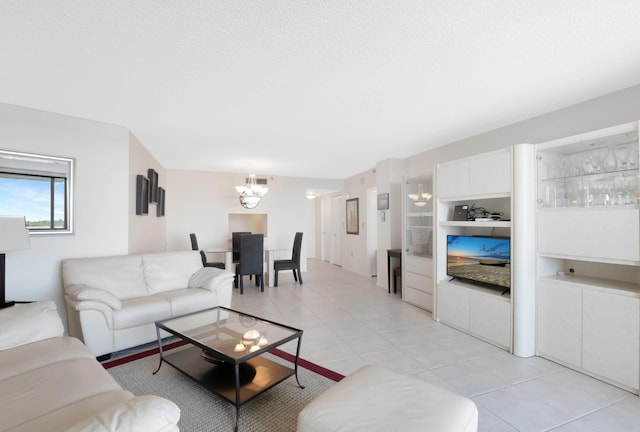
251, 261
235, 244
203, 256
293, 263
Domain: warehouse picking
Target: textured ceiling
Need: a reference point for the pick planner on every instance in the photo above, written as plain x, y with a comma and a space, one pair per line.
311, 88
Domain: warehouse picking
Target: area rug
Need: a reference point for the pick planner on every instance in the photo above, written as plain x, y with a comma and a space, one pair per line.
200, 410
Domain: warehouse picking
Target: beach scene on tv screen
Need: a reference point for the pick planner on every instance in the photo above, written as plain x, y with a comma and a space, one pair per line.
482, 259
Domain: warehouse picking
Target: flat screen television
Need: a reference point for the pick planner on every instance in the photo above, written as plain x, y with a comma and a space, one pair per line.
482, 260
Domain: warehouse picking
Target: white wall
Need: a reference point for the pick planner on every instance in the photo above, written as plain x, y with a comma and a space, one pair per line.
609, 110
389, 180
101, 200
147, 233
200, 202
356, 250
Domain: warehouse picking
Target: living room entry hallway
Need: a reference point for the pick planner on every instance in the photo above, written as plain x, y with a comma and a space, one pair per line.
348, 322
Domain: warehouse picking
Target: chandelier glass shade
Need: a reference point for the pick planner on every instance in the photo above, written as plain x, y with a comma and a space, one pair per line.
251, 193
421, 198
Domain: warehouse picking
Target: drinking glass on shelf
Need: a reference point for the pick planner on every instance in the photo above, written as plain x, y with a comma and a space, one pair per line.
610, 163
622, 156
632, 162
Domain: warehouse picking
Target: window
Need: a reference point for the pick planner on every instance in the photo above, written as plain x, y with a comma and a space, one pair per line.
39, 188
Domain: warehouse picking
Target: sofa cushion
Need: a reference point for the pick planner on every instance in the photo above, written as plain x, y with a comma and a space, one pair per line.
120, 275
170, 270
37, 354
43, 390
68, 417
189, 300
142, 413
16, 328
139, 311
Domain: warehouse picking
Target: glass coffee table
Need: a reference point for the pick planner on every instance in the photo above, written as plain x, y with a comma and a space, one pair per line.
226, 356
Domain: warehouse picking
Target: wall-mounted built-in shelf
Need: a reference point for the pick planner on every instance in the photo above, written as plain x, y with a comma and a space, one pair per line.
475, 224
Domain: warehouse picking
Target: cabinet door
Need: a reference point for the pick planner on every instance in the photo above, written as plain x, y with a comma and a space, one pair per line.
560, 321
453, 179
490, 318
490, 174
453, 305
611, 336
601, 234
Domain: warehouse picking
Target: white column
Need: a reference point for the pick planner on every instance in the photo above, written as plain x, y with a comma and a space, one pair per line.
523, 247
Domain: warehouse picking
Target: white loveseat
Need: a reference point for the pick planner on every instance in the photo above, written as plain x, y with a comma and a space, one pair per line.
113, 302
52, 382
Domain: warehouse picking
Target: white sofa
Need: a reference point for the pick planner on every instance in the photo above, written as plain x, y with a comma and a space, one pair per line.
113, 302
52, 382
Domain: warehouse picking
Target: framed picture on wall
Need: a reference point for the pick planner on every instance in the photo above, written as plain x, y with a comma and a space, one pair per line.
160, 206
353, 218
153, 185
142, 195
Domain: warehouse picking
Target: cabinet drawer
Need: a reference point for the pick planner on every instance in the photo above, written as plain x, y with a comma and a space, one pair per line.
423, 266
419, 282
418, 298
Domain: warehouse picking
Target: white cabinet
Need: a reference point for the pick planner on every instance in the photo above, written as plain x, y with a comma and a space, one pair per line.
588, 220
593, 326
417, 260
611, 336
560, 322
490, 317
453, 305
488, 174
477, 311
597, 234
484, 183
587, 193
453, 179
418, 282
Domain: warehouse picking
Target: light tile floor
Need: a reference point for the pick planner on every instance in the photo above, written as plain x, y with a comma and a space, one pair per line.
348, 322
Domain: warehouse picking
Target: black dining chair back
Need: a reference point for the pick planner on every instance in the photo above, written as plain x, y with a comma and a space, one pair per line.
203, 255
251, 261
194, 242
293, 263
235, 244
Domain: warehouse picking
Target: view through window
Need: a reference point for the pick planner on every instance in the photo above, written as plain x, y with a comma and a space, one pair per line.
39, 188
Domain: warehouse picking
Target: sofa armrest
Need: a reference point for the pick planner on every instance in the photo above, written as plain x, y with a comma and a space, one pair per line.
82, 292
141, 413
90, 305
31, 322
210, 278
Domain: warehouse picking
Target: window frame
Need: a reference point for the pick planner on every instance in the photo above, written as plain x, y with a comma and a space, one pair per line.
20, 164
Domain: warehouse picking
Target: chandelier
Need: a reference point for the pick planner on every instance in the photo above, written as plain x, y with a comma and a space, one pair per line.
251, 193
421, 198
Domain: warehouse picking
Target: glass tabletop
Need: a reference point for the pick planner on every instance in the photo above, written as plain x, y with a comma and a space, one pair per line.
228, 334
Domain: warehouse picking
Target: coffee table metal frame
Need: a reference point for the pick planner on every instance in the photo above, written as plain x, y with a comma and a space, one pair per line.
214, 374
